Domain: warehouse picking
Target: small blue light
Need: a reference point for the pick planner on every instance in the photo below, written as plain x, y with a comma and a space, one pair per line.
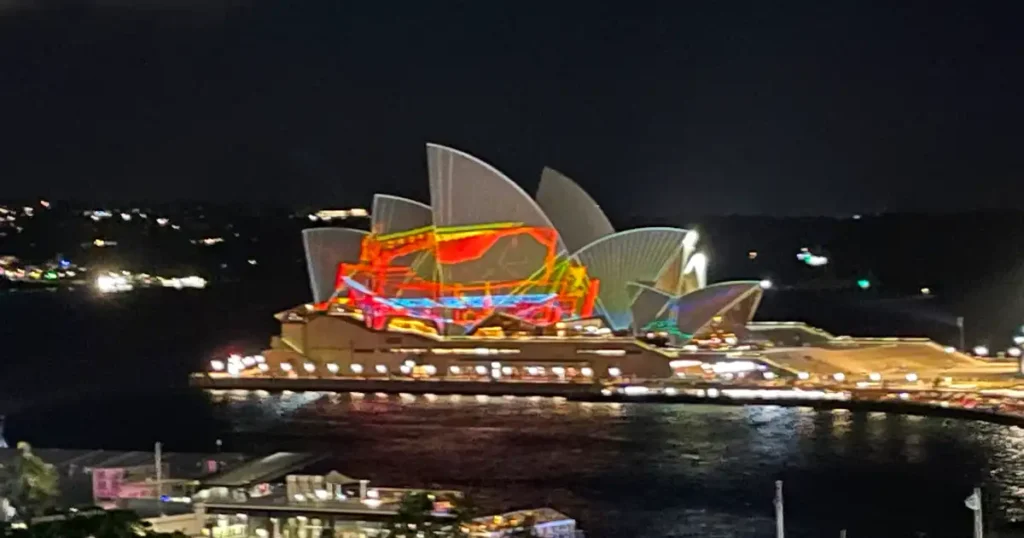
165, 498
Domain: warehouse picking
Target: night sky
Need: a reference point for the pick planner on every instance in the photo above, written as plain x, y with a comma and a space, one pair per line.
668, 109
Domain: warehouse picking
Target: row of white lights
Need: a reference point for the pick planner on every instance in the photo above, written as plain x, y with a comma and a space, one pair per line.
873, 376
640, 390
838, 376
1013, 351
497, 370
236, 363
982, 351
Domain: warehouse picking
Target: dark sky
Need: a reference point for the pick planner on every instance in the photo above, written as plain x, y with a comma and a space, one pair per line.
675, 108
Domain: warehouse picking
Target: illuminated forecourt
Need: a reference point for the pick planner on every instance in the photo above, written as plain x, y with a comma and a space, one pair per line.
484, 248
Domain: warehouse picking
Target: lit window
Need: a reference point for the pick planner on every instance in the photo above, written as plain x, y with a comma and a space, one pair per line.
733, 367
602, 352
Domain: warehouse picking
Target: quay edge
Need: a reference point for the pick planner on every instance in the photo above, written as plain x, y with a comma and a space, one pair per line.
862, 401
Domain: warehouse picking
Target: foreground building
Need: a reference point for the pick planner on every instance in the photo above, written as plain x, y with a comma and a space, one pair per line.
487, 281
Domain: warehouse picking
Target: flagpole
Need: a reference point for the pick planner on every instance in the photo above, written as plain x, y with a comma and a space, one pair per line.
158, 460
780, 525
979, 528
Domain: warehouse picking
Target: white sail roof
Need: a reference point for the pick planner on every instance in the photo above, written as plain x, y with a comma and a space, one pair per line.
576, 216
325, 249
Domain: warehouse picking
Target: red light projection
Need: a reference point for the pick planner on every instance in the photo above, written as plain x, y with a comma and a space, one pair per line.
462, 275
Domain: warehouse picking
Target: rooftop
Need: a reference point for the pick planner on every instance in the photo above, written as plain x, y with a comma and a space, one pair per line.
380, 501
512, 520
264, 469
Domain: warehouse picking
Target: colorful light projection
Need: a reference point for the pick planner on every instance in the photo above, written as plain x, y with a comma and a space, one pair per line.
462, 275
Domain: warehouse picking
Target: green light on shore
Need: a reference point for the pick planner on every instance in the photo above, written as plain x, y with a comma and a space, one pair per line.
863, 283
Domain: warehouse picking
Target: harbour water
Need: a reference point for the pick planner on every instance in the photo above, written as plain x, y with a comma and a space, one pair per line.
662, 470
82, 373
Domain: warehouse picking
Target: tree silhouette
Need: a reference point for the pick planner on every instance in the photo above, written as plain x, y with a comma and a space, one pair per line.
415, 517
90, 524
29, 484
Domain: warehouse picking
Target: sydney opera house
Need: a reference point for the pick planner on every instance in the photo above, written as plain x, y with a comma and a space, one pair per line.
487, 274
488, 282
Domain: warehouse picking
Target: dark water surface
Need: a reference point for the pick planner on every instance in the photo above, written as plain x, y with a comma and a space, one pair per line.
78, 372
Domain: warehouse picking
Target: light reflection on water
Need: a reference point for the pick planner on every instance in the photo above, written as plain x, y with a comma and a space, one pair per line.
662, 470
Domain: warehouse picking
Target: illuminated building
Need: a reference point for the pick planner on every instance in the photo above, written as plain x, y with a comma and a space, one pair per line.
484, 246
489, 281
486, 283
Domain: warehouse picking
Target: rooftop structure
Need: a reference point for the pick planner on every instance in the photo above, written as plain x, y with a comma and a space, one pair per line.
314, 505
541, 522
